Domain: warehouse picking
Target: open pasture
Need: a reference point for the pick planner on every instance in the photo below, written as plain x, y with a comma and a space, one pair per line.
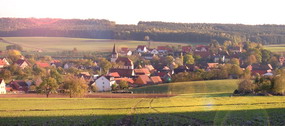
197, 103
55, 44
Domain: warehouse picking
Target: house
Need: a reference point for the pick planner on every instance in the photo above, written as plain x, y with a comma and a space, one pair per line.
156, 79
129, 80
165, 76
42, 64
68, 65
104, 83
22, 63
5, 61
150, 68
202, 54
125, 63
19, 86
148, 56
143, 80
281, 60
114, 74
219, 58
141, 49
2, 86
180, 69
2, 64
202, 48
235, 49
186, 49
153, 51
142, 71
261, 69
123, 72
164, 49
125, 51
55, 63
212, 65
86, 76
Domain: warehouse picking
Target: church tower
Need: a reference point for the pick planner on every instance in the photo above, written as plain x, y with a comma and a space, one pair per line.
115, 55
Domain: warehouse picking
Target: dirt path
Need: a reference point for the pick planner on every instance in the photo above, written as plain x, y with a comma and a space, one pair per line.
127, 120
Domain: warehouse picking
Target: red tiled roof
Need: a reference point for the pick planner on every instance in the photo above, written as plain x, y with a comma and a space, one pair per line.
2, 62
124, 49
42, 64
186, 48
122, 72
114, 74
129, 80
125, 60
156, 79
141, 47
143, 79
142, 71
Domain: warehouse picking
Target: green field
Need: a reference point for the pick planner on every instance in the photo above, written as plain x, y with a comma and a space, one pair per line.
275, 48
196, 103
55, 44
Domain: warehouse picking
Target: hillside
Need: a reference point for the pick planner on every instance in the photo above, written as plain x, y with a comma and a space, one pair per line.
157, 31
55, 44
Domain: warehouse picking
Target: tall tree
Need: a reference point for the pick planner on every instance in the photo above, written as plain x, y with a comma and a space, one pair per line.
75, 86
189, 59
48, 86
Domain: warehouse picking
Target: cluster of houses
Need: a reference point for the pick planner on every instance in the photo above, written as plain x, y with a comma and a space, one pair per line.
141, 75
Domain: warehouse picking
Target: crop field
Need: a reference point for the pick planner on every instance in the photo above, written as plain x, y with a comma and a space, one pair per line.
275, 48
198, 103
55, 44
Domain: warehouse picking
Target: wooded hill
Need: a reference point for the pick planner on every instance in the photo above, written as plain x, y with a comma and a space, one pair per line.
157, 31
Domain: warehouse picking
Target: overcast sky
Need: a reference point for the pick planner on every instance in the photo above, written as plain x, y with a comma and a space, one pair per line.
132, 11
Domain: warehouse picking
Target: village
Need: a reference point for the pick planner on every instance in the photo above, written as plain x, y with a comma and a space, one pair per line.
127, 68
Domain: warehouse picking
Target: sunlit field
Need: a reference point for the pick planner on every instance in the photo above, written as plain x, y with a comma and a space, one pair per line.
55, 44
198, 103
275, 48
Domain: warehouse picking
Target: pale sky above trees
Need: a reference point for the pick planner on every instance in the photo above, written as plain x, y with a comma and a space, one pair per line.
132, 11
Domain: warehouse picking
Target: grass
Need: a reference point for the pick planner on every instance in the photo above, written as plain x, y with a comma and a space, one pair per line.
275, 48
55, 44
197, 103
192, 87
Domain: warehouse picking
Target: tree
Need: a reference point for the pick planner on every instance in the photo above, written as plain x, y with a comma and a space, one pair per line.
75, 86
48, 86
246, 86
236, 70
189, 59
279, 83
6, 74
123, 84
234, 61
251, 59
104, 64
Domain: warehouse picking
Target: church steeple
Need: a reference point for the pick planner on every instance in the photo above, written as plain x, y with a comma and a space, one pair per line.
115, 55
114, 49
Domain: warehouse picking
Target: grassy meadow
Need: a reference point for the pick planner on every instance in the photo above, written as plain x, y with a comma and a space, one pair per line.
55, 44
275, 48
196, 103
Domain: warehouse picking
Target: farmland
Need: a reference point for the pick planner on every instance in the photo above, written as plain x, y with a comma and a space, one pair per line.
196, 103
275, 48
55, 44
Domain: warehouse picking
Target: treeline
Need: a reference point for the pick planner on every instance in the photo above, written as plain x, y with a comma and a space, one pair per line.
157, 31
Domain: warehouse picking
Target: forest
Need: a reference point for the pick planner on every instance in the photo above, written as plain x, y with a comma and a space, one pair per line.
157, 31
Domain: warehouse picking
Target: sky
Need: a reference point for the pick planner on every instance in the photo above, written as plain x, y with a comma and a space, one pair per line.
133, 11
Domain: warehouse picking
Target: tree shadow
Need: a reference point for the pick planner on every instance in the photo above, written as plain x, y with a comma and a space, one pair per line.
274, 117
